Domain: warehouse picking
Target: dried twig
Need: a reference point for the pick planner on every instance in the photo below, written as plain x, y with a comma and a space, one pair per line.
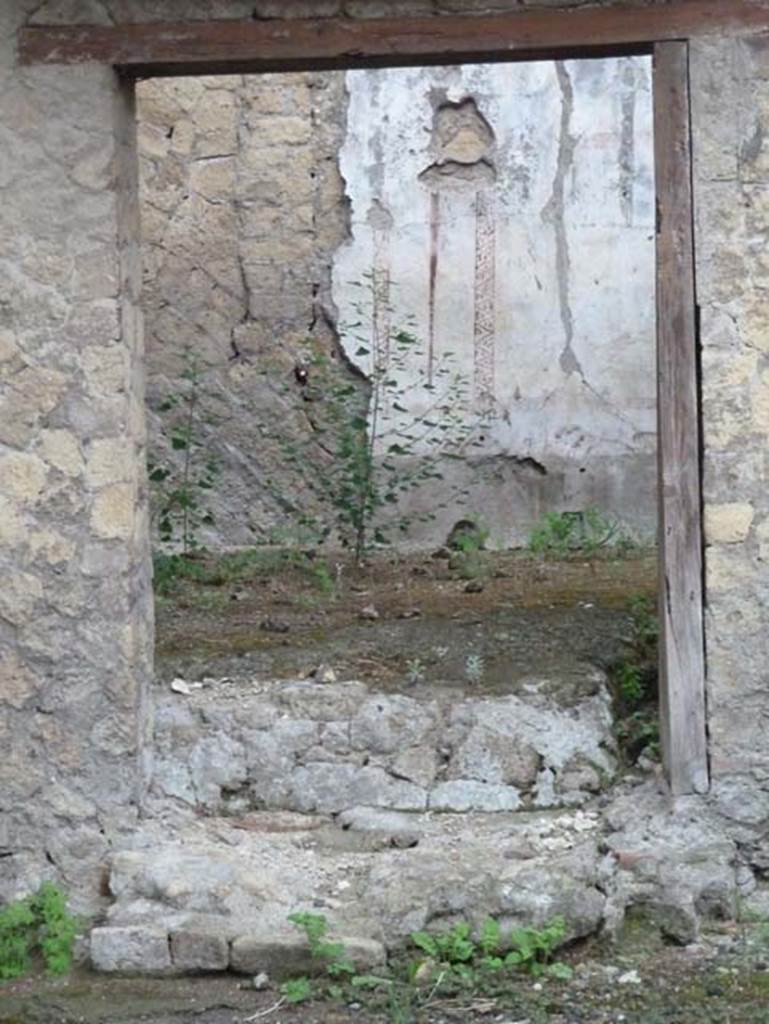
267, 1012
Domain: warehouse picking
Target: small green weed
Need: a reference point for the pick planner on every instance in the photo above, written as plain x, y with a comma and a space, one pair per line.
529, 949
183, 476
38, 923
635, 682
415, 671
475, 667
586, 532
467, 536
296, 990
453, 961
171, 571
332, 954
634, 677
629, 676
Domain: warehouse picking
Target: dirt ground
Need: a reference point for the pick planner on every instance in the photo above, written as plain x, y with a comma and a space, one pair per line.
722, 980
396, 622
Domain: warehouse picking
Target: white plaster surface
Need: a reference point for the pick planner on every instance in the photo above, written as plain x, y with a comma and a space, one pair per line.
561, 266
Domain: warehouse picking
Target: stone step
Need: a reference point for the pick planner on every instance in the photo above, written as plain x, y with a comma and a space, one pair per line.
219, 894
306, 746
214, 893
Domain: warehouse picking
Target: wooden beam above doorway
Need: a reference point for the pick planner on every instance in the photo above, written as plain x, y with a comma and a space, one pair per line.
211, 47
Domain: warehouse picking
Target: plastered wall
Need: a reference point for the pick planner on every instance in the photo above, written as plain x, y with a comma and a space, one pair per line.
75, 615
502, 214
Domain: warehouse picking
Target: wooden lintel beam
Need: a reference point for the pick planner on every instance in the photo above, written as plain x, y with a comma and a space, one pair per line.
220, 46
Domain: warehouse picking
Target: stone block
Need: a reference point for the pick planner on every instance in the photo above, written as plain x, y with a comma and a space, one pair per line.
289, 956
113, 512
469, 795
729, 523
131, 950
385, 724
23, 476
488, 755
278, 957
196, 950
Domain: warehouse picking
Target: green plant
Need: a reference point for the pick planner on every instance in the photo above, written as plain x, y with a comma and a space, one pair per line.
533, 949
452, 961
40, 922
364, 454
315, 927
457, 953
475, 667
563, 533
452, 949
179, 488
635, 682
296, 990
629, 677
640, 731
415, 671
468, 537
468, 543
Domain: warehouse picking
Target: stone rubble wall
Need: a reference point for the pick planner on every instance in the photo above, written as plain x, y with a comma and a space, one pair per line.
242, 208
76, 625
730, 112
315, 747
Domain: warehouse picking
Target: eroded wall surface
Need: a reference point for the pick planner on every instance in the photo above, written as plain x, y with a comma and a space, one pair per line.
504, 215
242, 208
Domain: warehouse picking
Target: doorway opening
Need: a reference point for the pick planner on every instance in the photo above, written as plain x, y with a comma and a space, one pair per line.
402, 392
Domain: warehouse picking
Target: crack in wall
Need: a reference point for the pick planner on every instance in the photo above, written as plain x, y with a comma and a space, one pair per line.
242, 131
553, 214
627, 172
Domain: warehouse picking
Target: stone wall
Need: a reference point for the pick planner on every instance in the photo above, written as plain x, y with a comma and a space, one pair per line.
75, 602
245, 213
730, 82
75, 618
329, 747
242, 209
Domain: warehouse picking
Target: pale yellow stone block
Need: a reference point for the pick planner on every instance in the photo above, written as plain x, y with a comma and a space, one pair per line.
12, 527
728, 567
8, 346
213, 178
729, 523
106, 369
53, 547
96, 170
22, 476
114, 510
19, 594
183, 138
731, 368
760, 405
754, 322
60, 448
17, 681
109, 461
